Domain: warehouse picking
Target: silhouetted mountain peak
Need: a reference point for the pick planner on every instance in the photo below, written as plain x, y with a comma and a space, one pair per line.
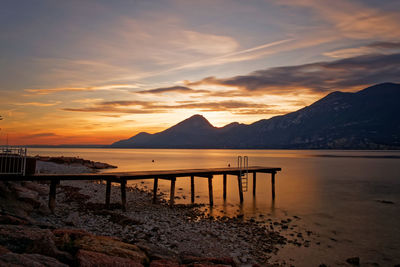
195, 122
142, 134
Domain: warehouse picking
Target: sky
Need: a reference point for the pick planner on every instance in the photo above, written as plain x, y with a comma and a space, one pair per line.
95, 72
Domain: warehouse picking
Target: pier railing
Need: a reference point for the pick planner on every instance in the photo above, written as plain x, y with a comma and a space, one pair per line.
12, 160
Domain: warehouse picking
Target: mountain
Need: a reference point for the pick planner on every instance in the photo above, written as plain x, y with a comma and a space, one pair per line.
368, 119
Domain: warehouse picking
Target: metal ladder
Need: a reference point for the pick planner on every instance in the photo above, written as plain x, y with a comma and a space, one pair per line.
243, 165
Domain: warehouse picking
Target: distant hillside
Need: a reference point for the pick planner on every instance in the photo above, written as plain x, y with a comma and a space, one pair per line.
368, 119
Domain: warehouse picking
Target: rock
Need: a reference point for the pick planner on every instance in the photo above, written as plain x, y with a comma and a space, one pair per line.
23, 239
26, 194
354, 261
73, 240
164, 263
222, 261
8, 219
36, 260
3, 250
73, 219
89, 258
41, 189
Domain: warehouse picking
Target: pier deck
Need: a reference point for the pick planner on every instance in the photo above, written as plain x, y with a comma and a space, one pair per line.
172, 175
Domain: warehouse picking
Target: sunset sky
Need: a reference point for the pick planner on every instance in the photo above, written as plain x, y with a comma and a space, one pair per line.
94, 72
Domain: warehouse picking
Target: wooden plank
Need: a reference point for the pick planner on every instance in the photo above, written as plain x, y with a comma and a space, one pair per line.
137, 175
189, 172
52, 194
210, 190
224, 186
192, 188
172, 192
108, 194
155, 187
123, 195
240, 188
254, 183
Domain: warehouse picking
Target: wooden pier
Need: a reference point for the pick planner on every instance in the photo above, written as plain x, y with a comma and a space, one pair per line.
171, 175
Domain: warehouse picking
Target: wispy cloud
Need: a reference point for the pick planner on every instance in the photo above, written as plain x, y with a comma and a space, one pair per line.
46, 91
38, 104
120, 107
143, 107
205, 43
372, 48
178, 89
353, 19
238, 56
38, 135
343, 74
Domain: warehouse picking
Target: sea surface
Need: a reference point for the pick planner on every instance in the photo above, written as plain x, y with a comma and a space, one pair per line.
350, 200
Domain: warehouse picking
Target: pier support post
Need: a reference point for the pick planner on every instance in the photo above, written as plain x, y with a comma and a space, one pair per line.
254, 183
172, 192
224, 186
273, 184
52, 195
192, 188
210, 191
123, 195
155, 187
108, 194
240, 188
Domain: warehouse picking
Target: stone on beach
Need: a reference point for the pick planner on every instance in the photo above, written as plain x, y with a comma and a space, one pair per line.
82, 240
90, 258
37, 260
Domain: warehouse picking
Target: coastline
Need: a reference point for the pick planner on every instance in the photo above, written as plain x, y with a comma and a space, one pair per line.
181, 234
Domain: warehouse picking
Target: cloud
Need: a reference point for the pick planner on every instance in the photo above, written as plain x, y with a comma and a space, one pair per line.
114, 110
120, 107
111, 87
353, 20
207, 44
179, 89
316, 77
238, 56
143, 107
218, 106
38, 135
372, 48
38, 104
385, 45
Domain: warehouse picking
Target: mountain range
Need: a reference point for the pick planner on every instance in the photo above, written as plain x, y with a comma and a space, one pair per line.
367, 119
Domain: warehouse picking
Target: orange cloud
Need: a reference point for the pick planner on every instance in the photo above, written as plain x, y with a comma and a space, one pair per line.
45, 91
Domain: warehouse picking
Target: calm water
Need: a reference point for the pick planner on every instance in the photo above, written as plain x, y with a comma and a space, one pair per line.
337, 194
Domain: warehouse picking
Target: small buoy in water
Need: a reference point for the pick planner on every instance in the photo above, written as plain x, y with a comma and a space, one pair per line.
229, 165
152, 160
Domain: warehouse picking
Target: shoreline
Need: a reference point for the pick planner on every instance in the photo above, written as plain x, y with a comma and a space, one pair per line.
170, 233
178, 230
173, 234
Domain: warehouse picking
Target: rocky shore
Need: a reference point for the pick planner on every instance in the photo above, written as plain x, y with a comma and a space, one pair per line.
74, 165
82, 232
